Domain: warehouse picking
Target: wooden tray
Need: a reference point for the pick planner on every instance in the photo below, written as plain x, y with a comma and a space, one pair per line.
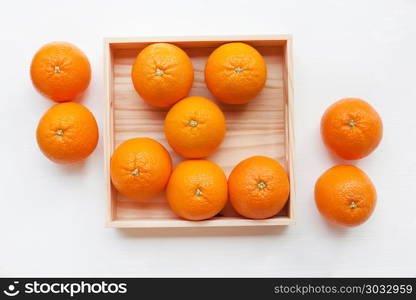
262, 127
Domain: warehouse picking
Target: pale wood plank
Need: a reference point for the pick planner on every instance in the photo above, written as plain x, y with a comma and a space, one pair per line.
109, 130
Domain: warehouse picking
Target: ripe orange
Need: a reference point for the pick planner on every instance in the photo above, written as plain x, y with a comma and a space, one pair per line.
344, 194
162, 74
351, 128
60, 71
258, 187
197, 190
195, 127
140, 168
235, 73
67, 133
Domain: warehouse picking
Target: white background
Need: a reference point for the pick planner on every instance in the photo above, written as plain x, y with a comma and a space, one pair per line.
52, 216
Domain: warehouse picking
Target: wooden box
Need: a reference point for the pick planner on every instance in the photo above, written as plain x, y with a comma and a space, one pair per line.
262, 127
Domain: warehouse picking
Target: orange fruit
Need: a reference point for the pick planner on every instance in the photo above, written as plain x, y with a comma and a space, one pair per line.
344, 194
235, 73
258, 187
162, 74
195, 127
60, 71
140, 168
351, 128
197, 190
67, 133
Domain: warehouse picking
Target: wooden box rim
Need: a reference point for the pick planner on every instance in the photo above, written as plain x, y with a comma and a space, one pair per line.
111, 43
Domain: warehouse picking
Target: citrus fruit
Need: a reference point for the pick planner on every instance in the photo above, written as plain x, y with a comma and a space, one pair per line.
162, 74
197, 190
351, 128
140, 168
67, 133
195, 127
344, 194
235, 73
60, 71
258, 187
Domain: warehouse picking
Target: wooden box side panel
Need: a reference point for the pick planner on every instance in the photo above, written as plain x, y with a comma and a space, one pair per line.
215, 222
108, 130
289, 116
197, 41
